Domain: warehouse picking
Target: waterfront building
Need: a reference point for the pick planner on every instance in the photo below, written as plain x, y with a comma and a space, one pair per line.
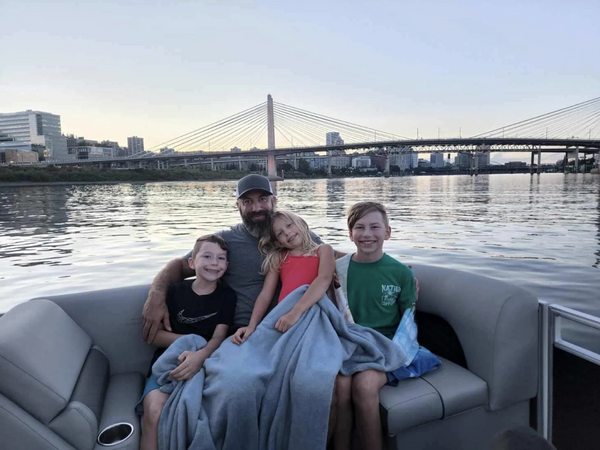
463, 159
86, 152
318, 162
437, 160
112, 144
333, 138
135, 145
483, 159
414, 160
405, 161
31, 129
519, 164
18, 156
361, 161
340, 161
10, 143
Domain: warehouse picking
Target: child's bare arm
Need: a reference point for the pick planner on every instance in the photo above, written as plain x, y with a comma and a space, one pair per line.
191, 362
264, 298
315, 291
260, 308
165, 338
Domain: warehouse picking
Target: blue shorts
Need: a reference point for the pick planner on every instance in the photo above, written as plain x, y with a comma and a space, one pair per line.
151, 384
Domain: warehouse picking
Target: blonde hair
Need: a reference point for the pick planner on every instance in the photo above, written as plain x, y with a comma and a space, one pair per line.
274, 252
360, 210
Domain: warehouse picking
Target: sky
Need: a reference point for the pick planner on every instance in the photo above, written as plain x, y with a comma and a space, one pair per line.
159, 69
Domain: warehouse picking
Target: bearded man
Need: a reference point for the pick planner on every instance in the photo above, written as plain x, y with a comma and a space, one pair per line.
255, 202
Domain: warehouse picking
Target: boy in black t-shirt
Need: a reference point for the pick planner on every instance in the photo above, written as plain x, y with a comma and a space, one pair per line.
203, 306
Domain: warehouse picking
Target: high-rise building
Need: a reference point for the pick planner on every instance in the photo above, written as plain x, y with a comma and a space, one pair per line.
36, 129
361, 161
403, 157
135, 145
483, 159
463, 159
333, 138
437, 160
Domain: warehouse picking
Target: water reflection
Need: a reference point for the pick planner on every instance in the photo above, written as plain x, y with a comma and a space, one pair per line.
541, 232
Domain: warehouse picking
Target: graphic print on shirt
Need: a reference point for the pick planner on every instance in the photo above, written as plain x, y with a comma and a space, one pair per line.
389, 294
182, 319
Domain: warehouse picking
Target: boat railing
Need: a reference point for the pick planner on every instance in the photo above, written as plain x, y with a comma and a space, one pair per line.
551, 320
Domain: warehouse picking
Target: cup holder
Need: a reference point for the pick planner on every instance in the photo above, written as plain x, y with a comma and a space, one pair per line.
115, 434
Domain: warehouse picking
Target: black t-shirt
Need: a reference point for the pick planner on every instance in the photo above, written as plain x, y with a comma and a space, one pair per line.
190, 313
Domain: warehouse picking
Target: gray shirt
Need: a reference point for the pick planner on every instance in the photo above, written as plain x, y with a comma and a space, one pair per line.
243, 273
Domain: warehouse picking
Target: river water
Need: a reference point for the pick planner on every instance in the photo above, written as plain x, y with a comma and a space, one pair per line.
539, 232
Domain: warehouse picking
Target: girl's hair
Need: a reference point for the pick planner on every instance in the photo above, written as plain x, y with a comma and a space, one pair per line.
274, 252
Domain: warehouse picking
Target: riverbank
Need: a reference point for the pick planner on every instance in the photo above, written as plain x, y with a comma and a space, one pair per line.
19, 176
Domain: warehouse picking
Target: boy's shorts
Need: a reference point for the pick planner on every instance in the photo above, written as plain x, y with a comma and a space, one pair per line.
151, 384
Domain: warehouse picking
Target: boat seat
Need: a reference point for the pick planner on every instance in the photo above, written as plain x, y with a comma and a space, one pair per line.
443, 392
489, 328
56, 389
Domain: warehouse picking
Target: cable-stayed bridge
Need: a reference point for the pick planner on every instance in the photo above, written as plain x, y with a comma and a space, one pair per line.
271, 129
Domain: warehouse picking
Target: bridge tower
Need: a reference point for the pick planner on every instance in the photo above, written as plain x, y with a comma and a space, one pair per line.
271, 163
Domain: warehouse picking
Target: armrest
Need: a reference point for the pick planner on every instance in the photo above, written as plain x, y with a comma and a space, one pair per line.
496, 324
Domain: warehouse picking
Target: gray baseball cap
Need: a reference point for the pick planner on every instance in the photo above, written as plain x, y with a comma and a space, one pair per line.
253, 182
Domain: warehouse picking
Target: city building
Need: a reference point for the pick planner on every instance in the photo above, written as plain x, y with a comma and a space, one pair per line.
361, 161
18, 156
10, 143
135, 145
340, 161
462, 159
318, 162
437, 160
83, 152
31, 129
333, 138
520, 164
483, 159
403, 157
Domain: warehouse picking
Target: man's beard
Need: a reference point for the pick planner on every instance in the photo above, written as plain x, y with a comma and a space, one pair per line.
259, 228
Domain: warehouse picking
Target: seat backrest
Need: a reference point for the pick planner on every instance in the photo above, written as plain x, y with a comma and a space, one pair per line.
42, 351
496, 324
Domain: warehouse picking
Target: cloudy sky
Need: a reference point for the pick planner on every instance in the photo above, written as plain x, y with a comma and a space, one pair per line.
159, 69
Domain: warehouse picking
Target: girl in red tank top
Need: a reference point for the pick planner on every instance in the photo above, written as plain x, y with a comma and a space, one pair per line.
292, 255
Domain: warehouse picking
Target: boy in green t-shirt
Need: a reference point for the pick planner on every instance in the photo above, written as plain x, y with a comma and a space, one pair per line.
379, 289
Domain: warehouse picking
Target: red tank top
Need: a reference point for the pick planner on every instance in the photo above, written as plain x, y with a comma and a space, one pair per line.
297, 271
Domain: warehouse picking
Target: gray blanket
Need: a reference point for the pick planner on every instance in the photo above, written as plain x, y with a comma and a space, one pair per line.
272, 392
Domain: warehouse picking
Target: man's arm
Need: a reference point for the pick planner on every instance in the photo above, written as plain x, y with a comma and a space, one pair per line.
155, 312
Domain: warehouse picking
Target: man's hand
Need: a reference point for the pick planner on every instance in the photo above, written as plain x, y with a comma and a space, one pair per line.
189, 365
242, 334
156, 316
288, 320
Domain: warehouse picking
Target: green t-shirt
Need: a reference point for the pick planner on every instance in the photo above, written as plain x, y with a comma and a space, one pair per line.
379, 292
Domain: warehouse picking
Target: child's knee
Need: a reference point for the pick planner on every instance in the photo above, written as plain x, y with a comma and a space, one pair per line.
365, 388
153, 406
